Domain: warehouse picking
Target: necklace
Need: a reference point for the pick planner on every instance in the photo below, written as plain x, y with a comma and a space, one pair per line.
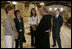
33, 18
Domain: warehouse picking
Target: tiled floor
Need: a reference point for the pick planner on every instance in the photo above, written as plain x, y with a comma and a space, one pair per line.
65, 38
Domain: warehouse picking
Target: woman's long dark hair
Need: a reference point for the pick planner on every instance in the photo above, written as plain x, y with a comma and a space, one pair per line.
31, 14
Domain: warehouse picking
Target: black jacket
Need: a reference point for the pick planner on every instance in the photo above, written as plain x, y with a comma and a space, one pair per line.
57, 22
19, 25
42, 37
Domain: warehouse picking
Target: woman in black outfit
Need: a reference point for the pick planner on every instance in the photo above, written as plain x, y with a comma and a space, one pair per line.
20, 28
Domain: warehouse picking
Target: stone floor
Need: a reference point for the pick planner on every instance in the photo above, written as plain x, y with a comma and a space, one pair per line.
65, 38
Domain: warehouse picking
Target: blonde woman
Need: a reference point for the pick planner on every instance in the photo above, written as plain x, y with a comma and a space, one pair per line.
10, 30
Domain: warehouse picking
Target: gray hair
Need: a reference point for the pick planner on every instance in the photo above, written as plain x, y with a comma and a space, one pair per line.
45, 9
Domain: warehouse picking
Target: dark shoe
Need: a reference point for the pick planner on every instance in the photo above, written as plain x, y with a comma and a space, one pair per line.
53, 45
31, 44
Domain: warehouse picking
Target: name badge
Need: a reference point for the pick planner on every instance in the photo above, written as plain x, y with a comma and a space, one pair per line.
47, 31
20, 30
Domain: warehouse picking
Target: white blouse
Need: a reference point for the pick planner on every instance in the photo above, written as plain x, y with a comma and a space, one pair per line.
57, 16
34, 20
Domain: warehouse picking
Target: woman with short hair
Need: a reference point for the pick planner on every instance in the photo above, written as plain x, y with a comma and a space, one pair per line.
10, 31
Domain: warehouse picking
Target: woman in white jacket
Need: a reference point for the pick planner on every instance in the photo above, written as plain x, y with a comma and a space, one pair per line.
33, 21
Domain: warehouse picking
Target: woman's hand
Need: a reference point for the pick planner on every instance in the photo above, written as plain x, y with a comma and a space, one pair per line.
34, 28
16, 35
37, 24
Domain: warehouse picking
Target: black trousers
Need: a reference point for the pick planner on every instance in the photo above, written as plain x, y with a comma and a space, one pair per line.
32, 36
56, 37
19, 41
43, 40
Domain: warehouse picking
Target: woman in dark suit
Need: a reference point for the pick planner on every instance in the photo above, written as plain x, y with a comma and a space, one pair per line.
20, 28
